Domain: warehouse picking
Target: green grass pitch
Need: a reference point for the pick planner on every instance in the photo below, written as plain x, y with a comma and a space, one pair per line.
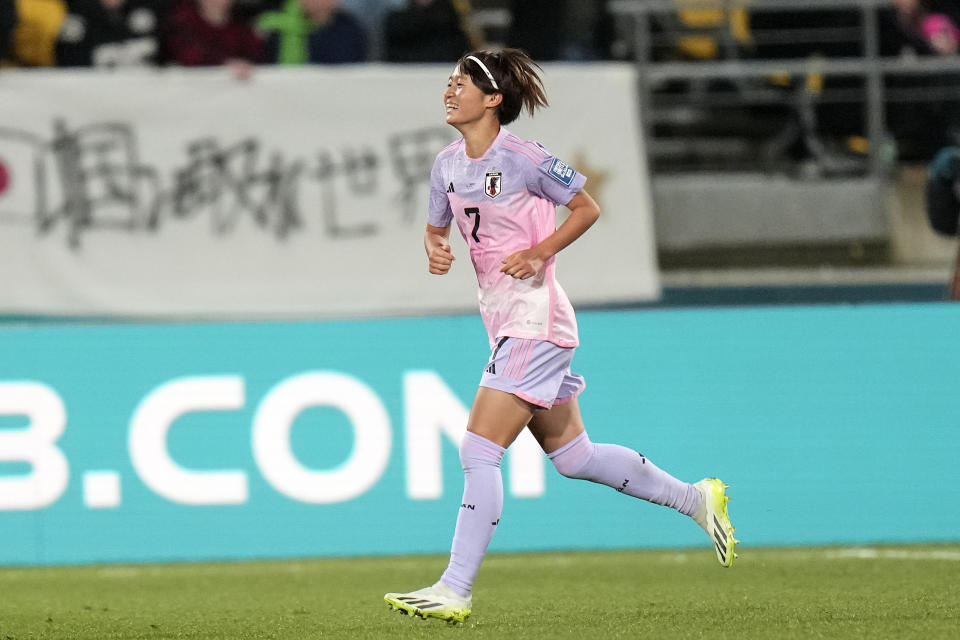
876, 592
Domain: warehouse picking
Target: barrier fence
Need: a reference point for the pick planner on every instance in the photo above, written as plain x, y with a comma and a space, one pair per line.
300, 194
225, 441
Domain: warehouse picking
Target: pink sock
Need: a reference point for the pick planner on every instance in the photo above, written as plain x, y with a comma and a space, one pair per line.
626, 471
479, 511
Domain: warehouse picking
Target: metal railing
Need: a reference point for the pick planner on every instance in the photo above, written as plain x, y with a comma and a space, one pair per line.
868, 65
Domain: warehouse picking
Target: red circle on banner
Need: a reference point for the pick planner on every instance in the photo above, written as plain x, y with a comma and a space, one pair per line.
4, 177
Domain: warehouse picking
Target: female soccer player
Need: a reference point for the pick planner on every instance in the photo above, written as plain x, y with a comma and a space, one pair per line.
503, 193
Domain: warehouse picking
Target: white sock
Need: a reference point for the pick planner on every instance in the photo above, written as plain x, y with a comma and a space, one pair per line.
625, 470
479, 511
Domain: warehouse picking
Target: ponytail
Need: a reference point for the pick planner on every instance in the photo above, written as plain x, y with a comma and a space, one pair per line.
514, 75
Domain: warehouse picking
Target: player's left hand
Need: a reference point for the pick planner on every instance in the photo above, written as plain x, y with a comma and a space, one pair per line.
522, 264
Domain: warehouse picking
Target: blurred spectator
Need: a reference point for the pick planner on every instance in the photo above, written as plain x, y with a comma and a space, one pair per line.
37, 24
562, 29
314, 31
202, 33
943, 191
588, 31
925, 27
943, 202
372, 14
535, 26
109, 33
250, 9
8, 22
941, 33
424, 31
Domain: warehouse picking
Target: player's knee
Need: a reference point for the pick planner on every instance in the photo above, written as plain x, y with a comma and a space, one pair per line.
573, 459
565, 468
478, 451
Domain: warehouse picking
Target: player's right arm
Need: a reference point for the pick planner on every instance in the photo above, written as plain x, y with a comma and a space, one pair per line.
436, 242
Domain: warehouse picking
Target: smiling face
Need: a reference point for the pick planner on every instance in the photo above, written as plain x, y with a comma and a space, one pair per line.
463, 101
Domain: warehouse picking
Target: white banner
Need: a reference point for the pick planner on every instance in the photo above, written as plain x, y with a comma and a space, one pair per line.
302, 193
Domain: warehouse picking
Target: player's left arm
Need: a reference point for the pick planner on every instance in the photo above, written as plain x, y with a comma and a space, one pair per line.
529, 262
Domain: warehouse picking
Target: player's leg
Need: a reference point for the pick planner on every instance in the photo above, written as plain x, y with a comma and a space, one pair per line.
561, 434
496, 419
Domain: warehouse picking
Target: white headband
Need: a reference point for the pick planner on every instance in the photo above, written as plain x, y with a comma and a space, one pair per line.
485, 70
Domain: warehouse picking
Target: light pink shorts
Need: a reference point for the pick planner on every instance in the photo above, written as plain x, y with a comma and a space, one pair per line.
533, 370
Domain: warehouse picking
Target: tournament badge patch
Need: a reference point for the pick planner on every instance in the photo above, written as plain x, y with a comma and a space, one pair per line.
492, 184
561, 171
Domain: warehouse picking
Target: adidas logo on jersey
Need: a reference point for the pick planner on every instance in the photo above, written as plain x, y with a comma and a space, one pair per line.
450, 188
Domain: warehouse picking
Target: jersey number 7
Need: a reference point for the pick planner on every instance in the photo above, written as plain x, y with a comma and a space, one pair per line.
476, 223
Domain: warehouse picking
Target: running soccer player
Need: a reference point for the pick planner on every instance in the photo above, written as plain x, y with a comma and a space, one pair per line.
503, 193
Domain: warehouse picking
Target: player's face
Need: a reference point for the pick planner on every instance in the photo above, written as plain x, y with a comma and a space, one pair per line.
463, 101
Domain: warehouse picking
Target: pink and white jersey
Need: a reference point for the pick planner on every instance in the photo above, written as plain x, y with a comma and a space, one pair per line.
505, 202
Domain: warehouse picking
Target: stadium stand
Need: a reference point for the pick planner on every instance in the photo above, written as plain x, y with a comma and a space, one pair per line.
818, 103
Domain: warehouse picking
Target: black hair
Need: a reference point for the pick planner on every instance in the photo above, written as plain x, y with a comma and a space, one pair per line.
517, 77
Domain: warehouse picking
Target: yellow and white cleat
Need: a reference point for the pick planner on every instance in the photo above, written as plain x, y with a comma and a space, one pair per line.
713, 518
437, 601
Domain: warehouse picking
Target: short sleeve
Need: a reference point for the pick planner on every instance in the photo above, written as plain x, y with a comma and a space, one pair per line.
554, 180
439, 213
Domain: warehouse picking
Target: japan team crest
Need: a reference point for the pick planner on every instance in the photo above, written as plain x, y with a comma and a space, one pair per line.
492, 184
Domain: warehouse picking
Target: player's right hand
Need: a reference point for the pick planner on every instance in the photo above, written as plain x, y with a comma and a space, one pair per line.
440, 259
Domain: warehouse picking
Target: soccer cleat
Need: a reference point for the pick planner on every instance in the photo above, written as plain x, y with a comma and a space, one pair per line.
713, 518
437, 601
